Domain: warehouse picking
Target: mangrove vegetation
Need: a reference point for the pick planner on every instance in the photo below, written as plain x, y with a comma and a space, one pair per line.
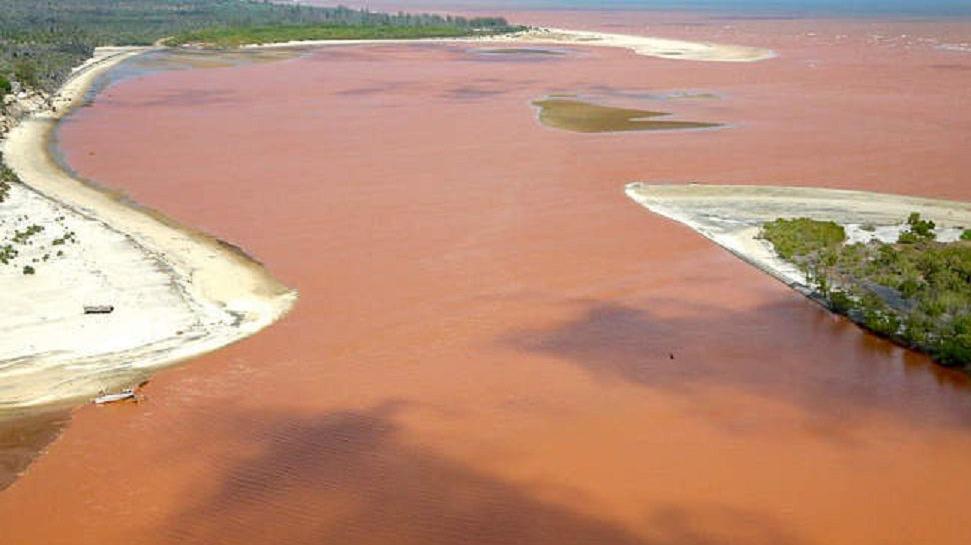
915, 291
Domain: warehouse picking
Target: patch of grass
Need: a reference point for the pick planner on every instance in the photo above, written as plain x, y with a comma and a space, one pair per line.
802, 237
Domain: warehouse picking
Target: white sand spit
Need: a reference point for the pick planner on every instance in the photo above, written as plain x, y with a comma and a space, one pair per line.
732, 215
642, 45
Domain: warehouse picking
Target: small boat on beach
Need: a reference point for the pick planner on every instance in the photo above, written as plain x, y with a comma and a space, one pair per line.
127, 393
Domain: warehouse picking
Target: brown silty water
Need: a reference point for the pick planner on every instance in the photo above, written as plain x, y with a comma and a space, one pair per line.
492, 343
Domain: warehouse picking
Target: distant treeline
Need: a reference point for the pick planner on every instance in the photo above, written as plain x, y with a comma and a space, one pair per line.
40, 40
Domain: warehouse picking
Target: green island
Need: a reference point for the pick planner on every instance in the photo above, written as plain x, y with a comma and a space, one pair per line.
915, 291
40, 41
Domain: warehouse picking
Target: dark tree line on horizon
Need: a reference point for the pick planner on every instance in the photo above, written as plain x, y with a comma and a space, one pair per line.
41, 40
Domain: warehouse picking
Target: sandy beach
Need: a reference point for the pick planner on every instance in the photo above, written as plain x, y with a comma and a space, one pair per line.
176, 292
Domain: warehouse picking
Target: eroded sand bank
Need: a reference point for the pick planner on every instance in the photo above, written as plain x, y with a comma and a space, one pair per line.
176, 292
732, 215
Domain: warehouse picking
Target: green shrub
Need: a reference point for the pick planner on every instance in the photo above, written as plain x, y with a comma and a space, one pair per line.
5, 85
26, 73
909, 287
954, 349
877, 316
917, 330
28, 269
800, 237
918, 230
966, 235
840, 301
7, 253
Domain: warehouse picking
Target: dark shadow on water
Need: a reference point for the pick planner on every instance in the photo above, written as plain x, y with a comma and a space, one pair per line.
23, 439
793, 351
484, 88
352, 478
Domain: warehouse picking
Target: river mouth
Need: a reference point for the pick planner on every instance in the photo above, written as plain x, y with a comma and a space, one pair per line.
493, 344
575, 115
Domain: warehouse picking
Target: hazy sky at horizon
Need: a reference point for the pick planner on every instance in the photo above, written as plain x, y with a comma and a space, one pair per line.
794, 7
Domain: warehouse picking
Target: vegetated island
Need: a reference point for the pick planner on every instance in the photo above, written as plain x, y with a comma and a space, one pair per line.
898, 266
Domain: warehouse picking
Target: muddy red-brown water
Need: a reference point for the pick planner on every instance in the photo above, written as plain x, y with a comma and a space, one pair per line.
493, 345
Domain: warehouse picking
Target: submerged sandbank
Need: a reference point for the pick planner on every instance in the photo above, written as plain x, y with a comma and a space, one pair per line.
575, 115
177, 292
732, 215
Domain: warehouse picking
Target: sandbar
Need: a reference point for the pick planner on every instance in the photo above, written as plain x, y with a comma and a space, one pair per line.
641, 45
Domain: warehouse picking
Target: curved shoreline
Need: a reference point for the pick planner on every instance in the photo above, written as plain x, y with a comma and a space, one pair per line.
228, 294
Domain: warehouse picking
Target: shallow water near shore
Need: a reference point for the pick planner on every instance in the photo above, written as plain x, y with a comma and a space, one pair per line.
493, 344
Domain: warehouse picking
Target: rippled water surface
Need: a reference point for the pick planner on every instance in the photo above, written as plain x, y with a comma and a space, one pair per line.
492, 344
